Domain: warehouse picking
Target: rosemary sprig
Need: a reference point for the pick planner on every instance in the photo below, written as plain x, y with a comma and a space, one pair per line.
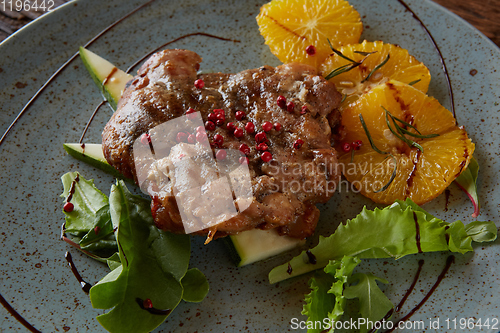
337, 52
368, 135
347, 67
372, 144
365, 53
393, 176
413, 82
377, 68
343, 98
342, 69
402, 131
400, 134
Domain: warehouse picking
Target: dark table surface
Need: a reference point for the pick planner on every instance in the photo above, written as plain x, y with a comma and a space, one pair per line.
483, 14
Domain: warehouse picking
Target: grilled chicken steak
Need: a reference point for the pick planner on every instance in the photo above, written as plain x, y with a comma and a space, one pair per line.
291, 161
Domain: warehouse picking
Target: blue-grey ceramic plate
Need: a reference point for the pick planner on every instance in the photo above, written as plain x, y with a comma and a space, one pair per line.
34, 276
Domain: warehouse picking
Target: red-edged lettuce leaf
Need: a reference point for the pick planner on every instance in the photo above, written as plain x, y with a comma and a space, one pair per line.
467, 181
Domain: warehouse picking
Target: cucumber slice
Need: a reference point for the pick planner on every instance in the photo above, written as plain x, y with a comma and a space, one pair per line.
254, 245
102, 71
91, 153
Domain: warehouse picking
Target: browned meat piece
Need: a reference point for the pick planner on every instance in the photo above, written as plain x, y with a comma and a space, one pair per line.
285, 189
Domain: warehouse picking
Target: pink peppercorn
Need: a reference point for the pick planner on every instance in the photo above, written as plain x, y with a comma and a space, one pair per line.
238, 132
68, 207
199, 84
267, 126
250, 127
281, 101
266, 156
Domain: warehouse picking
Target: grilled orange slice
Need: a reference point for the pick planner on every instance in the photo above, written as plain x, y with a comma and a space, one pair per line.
291, 26
400, 66
420, 175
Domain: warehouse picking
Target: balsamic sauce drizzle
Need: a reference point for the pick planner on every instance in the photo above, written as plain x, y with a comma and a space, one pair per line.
60, 69
412, 286
441, 58
72, 188
110, 75
16, 315
447, 198
152, 310
311, 257
176, 40
449, 261
417, 233
84, 284
89, 121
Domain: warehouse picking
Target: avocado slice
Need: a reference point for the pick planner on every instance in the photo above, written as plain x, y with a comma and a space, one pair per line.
254, 245
110, 79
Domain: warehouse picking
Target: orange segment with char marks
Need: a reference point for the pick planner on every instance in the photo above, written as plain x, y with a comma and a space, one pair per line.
400, 66
420, 174
289, 27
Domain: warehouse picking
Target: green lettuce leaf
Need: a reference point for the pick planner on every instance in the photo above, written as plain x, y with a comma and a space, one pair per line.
467, 181
87, 200
195, 286
144, 272
383, 233
481, 231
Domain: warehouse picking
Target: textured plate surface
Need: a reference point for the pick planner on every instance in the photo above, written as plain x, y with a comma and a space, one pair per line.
34, 276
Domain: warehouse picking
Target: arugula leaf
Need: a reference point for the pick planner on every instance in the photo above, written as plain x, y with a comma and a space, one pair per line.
149, 263
384, 233
114, 261
105, 229
467, 181
195, 286
87, 200
373, 303
144, 272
